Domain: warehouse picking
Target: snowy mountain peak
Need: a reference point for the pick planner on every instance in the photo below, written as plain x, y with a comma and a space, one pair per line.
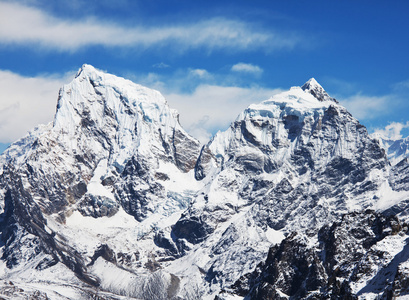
315, 89
116, 197
94, 96
311, 83
308, 100
122, 117
285, 113
86, 69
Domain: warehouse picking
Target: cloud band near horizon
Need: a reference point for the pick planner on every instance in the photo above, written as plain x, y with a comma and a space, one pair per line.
208, 107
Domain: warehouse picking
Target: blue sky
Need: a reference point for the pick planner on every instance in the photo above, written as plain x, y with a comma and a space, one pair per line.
209, 58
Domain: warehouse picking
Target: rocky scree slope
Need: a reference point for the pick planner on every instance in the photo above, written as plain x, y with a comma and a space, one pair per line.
115, 197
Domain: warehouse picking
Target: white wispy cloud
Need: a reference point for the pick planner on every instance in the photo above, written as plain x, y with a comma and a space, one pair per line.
247, 68
26, 102
403, 85
391, 131
372, 108
24, 25
210, 108
161, 65
200, 73
367, 107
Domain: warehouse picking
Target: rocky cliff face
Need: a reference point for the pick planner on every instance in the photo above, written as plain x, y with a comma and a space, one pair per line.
105, 130
396, 149
292, 163
114, 196
363, 255
111, 150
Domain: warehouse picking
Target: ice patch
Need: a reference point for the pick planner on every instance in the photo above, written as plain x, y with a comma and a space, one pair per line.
95, 186
274, 236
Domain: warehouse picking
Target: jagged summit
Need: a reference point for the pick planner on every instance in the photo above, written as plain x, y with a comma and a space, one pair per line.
291, 163
311, 83
310, 100
115, 197
97, 94
109, 125
120, 116
86, 68
315, 89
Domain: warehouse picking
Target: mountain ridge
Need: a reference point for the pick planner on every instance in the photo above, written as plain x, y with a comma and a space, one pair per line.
116, 186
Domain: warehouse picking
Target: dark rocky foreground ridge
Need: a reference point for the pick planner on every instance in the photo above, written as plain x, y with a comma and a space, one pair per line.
346, 253
115, 200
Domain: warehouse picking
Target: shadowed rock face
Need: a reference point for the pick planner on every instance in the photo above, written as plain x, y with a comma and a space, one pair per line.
194, 230
340, 266
315, 89
108, 133
325, 155
23, 224
400, 175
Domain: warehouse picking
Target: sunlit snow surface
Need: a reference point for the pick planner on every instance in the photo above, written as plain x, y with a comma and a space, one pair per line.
396, 149
102, 121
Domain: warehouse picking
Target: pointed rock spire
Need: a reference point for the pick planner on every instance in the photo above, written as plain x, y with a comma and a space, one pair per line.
85, 69
311, 83
315, 89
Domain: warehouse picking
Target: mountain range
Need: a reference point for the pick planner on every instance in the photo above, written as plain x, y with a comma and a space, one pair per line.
115, 200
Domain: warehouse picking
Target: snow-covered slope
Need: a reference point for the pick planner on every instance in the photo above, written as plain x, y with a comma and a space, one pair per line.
291, 163
396, 149
112, 167
115, 197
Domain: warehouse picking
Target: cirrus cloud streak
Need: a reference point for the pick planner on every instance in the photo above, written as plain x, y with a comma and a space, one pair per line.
247, 68
24, 25
365, 107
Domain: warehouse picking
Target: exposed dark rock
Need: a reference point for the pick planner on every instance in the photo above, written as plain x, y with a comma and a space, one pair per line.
98, 206
136, 187
194, 230
164, 242
105, 252
186, 150
345, 255
400, 176
203, 163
